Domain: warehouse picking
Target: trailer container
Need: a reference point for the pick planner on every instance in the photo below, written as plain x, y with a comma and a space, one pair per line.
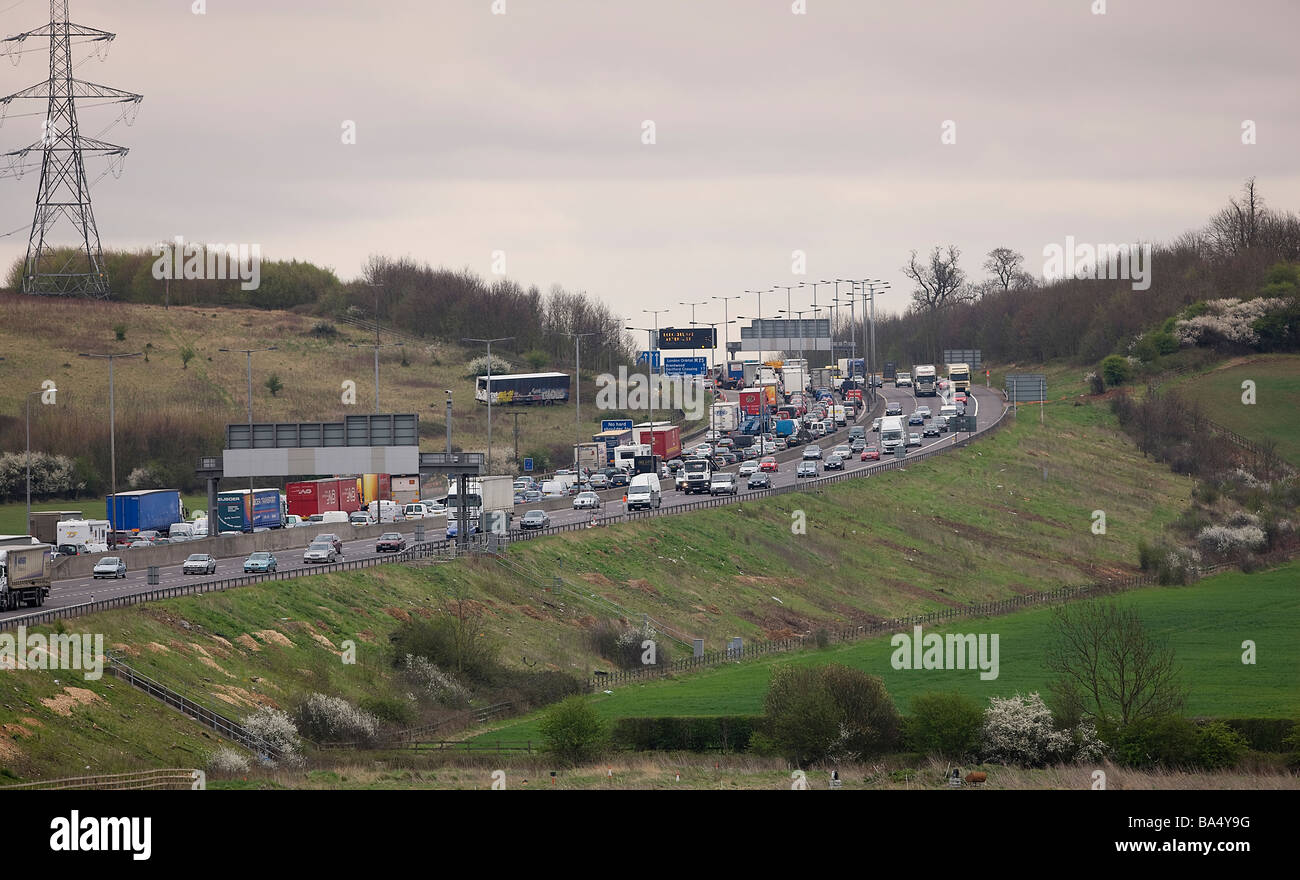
144, 509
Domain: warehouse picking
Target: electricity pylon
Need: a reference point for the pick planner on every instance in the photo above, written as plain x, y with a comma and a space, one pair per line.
64, 193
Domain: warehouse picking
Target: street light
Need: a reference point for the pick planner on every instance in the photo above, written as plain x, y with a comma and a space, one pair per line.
31, 394
577, 398
376, 347
489, 389
715, 325
649, 365
799, 313
726, 343
112, 439
248, 354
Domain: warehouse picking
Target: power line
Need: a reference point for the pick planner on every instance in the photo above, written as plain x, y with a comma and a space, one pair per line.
64, 193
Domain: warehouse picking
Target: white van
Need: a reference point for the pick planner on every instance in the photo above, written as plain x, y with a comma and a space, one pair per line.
644, 492
385, 511
330, 516
181, 531
416, 510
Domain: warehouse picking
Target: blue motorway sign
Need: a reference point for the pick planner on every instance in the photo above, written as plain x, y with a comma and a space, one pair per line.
686, 366
528, 465
615, 424
649, 357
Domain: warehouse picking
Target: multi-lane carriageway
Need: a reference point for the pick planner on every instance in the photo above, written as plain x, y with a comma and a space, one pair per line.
986, 405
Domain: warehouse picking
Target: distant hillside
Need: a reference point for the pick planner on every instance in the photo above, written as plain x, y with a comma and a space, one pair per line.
170, 413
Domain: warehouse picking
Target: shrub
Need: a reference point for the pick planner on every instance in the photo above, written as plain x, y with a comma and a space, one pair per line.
536, 359
1096, 384
225, 761
273, 384
573, 731
333, 719
390, 709
276, 729
822, 637
449, 643
119, 331
944, 725
1167, 741
1218, 746
1116, 370
1231, 540
187, 354
434, 683
829, 712
324, 330
686, 733
1020, 730
479, 367
1178, 565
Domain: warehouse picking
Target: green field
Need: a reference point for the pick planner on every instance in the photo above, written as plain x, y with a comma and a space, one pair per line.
1206, 624
1275, 414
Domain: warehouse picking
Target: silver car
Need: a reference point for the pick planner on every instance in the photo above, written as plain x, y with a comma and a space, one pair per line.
321, 551
586, 501
199, 563
109, 566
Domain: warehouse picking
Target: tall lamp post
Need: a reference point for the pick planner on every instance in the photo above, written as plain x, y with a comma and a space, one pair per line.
649, 365
376, 286
30, 395
376, 347
726, 343
489, 389
112, 439
577, 398
656, 313
248, 355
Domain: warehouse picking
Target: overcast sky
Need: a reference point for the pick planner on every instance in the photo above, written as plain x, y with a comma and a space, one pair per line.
775, 132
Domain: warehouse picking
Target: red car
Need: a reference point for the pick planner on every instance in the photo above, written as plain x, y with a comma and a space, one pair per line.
768, 465
960, 397
390, 542
871, 453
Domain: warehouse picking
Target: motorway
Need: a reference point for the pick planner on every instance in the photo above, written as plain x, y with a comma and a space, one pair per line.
81, 590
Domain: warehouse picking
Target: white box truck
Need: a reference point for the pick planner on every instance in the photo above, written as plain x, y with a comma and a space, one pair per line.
625, 456
726, 416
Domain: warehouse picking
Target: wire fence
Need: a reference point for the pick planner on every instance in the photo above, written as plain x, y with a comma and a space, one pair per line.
864, 630
176, 779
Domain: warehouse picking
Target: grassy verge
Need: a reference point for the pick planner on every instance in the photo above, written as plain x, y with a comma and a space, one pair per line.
1206, 623
1275, 415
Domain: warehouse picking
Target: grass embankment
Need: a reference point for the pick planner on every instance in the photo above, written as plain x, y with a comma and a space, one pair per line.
1275, 415
1010, 514
42, 336
1205, 623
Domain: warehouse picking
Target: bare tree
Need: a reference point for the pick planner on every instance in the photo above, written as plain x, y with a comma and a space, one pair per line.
1236, 227
1004, 265
1111, 670
940, 282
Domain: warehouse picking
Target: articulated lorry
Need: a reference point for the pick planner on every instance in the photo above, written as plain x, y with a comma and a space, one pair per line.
925, 380
24, 574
